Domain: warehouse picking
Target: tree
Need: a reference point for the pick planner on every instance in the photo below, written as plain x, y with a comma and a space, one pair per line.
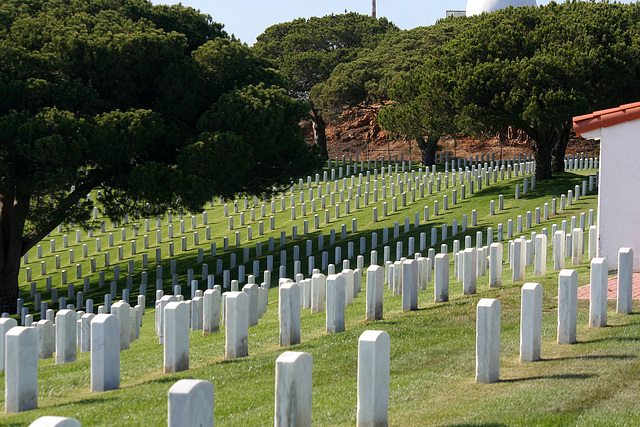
154, 105
306, 51
370, 79
534, 69
409, 114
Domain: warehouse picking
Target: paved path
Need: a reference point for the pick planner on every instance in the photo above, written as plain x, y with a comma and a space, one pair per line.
612, 286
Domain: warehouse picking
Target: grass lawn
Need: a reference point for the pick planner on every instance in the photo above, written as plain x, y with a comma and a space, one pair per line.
594, 382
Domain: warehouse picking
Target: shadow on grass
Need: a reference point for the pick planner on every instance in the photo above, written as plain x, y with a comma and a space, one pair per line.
551, 377
162, 380
477, 424
92, 400
593, 357
597, 340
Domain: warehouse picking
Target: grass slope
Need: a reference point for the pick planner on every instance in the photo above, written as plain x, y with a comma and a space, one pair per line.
594, 382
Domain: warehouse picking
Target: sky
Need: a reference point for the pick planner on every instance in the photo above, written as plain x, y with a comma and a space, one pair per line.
247, 19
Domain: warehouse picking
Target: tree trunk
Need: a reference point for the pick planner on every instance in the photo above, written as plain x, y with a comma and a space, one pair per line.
558, 151
319, 131
13, 213
9, 292
542, 145
428, 148
14, 208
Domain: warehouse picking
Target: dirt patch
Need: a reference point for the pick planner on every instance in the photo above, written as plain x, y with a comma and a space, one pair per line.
356, 132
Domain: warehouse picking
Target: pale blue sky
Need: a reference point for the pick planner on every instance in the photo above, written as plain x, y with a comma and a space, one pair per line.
249, 18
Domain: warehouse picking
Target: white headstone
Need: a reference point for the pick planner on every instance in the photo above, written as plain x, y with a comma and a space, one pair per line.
122, 310
51, 421
318, 291
441, 278
559, 242
540, 265
252, 292
45, 339
190, 403
469, 270
495, 265
374, 348
625, 280
211, 311
6, 323
567, 306
21, 369
105, 356
237, 324
530, 322
518, 261
85, 332
336, 288
349, 292
410, 285
577, 245
293, 389
598, 293
176, 337
197, 314
160, 305
289, 313
375, 289
488, 340
66, 336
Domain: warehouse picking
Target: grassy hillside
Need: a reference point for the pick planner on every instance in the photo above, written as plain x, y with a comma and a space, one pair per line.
432, 350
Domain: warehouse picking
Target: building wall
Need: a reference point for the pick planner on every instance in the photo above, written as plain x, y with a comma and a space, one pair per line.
619, 192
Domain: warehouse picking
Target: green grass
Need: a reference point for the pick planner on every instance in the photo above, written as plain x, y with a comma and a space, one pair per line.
594, 382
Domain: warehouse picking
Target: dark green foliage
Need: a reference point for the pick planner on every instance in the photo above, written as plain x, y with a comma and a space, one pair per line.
369, 78
531, 68
307, 51
123, 95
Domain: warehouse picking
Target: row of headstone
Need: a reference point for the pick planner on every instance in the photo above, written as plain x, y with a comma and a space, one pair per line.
422, 240
22, 346
193, 218
405, 229
123, 231
580, 161
481, 258
488, 313
191, 402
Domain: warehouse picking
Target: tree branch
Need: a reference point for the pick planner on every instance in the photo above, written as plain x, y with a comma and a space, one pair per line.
59, 213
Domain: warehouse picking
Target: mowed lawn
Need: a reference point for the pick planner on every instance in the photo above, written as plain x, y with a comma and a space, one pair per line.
594, 382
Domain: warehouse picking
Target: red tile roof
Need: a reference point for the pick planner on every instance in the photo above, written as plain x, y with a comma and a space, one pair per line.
606, 118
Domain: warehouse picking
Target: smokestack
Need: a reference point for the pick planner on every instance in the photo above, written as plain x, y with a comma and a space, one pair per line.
373, 8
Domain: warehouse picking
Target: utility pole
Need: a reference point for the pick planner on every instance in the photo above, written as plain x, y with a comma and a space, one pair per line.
373, 8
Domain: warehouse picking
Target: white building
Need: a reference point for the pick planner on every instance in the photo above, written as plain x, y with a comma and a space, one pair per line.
476, 7
456, 13
618, 130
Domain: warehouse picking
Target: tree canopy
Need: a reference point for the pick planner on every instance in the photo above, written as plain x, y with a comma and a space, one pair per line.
307, 51
154, 104
531, 68
370, 81
370, 77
